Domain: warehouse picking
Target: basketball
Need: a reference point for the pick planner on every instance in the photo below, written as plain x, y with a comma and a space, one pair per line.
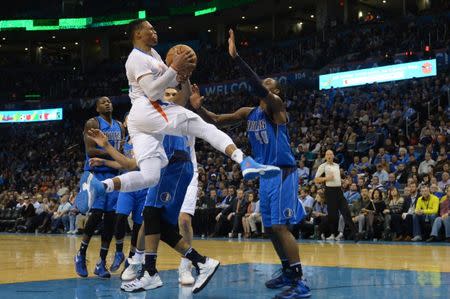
178, 49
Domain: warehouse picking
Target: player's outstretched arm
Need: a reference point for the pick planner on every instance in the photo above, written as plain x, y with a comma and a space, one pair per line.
196, 101
99, 138
90, 145
275, 103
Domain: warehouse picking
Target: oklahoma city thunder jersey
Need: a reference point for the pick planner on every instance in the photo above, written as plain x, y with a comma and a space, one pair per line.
114, 134
270, 142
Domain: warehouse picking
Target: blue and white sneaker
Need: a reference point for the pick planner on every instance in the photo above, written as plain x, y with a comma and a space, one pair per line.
90, 188
119, 257
279, 279
80, 265
101, 271
252, 169
298, 290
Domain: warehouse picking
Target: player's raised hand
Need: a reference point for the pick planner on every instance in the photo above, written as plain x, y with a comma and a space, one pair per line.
196, 99
93, 162
232, 44
98, 137
184, 63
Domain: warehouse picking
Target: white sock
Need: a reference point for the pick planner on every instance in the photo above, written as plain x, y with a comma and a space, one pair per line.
138, 256
237, 156
109, 185
185, 263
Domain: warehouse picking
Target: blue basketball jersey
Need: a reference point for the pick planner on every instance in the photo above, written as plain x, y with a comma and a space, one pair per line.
114, 133
174, 144
270, 142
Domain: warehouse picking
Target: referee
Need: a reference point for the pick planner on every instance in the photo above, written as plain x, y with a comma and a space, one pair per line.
335, 199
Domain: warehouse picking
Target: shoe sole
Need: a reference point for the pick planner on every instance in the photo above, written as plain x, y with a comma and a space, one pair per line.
186, 284
195, 291
252, 173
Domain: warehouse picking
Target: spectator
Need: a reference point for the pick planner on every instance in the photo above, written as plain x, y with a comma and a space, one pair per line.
252, 217
374, 212
27, 213
381, 174
238, 211
303, 172
358, 216
434, 189
424, 167
393, 214
320, 215
445, 181
227, 200
391, 182
61, 216
375, 183
442, 220
352, 195
306, 199
208, 202
426, 212
47, 215
72, 214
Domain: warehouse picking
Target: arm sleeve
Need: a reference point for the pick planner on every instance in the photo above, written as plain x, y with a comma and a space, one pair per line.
154, 88
257, 88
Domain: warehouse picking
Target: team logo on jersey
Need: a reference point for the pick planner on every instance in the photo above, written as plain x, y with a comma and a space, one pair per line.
288, 213
165, 197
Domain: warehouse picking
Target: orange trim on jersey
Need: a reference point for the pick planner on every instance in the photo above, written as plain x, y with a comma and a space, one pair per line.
160, 110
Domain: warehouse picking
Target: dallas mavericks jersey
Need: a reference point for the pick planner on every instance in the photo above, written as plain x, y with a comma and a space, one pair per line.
114, 133
270, 142
128, 150
174, 145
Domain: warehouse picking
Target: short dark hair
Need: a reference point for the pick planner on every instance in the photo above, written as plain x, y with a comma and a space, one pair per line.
134, 26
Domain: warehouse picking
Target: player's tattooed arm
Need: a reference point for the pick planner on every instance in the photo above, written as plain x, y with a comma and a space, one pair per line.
99, 138
90, 145
196, 101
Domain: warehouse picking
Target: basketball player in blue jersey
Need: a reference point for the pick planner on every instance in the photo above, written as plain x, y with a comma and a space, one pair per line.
269, 140
103, 207
128, 202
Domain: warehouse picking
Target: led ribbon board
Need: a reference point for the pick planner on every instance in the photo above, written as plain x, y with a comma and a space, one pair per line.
25, 116
69, 23
417, 69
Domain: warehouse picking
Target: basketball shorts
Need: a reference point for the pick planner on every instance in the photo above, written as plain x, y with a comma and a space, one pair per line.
107, 202
171, 190
279, 203
132, 202
148, 122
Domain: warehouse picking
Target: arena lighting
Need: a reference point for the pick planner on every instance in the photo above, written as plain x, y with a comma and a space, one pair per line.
205, 11
28, 96
66, 23
396, 72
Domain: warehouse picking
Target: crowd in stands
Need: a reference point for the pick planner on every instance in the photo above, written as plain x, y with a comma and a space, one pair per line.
61, 75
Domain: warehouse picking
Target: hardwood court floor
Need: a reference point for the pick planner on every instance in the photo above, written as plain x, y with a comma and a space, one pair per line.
41, 266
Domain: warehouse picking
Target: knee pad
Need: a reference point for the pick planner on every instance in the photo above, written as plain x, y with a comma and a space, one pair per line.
152, 220
93, 221
121, 226
134, 234
169, 234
